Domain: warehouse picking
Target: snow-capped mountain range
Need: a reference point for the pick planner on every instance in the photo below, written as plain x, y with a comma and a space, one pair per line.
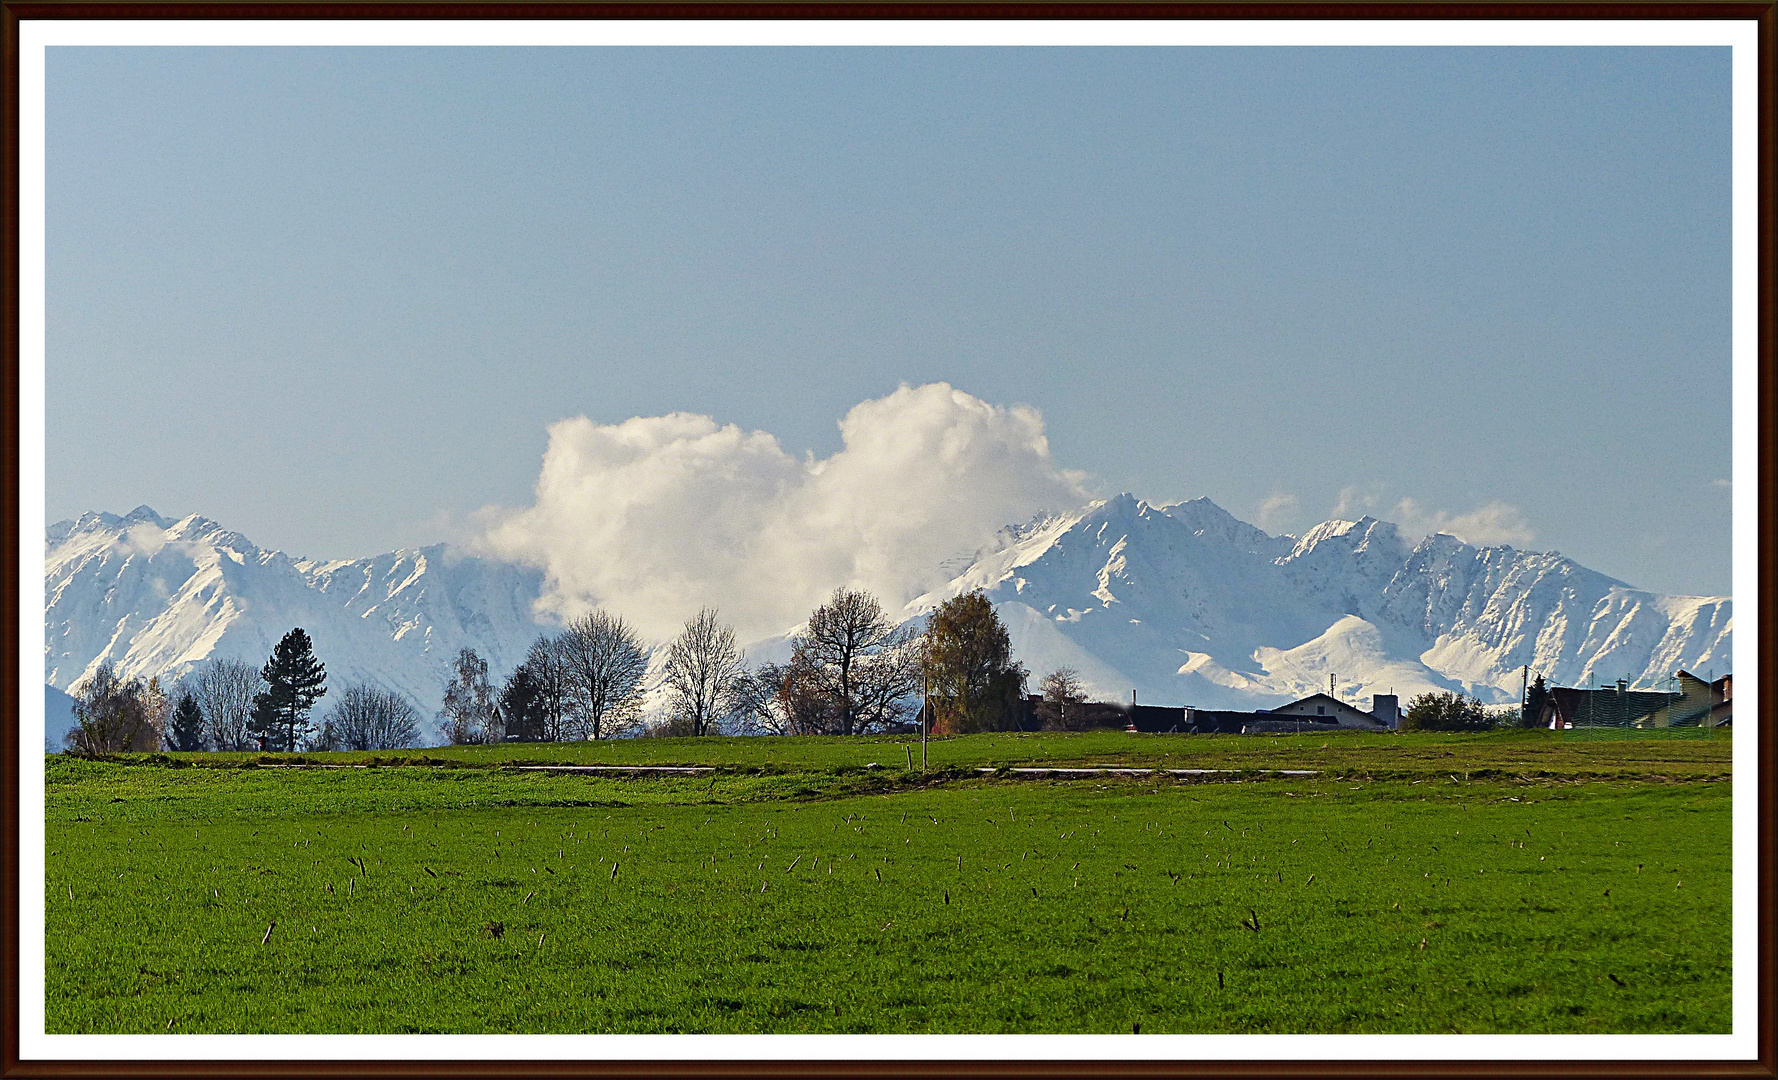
156, 597
1183, 604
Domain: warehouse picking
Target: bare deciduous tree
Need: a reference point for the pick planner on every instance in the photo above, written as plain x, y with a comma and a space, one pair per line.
855, 661
468, 714
546, 665
602, 668
368, 717
1063, 695
111, 714
1063, 684
159, 705
782, 699
703, 675
225, 690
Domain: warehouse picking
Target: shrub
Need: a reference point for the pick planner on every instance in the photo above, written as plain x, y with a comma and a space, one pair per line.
1446, 712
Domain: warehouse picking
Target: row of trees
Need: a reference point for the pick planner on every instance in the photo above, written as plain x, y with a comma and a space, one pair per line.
225, 704
584, 683
852, 670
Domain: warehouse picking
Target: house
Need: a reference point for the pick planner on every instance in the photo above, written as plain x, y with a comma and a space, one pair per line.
1609, 706
1699, 704
1317, 712
1326, 709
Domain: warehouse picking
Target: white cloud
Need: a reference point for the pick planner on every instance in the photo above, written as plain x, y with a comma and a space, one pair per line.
143, 539
658, 516
1356, 501
1493, 522
1276, 511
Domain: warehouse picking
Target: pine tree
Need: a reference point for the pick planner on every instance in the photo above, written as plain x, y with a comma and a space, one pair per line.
186, 729
1535, 698
294, 680
523, 707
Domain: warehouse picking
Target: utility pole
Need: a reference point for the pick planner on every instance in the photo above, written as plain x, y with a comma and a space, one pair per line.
925, 704
1330, 686
1524, 691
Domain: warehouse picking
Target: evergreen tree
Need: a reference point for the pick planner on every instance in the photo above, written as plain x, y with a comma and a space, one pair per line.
523, 707
1535, 699
186, 729
294, 680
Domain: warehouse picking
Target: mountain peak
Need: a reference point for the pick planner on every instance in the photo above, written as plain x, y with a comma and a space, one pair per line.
1367, 535
156, 597
1183, 602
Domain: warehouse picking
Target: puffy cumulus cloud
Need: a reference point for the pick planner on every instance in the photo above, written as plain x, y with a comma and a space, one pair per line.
658, 516
1494, 522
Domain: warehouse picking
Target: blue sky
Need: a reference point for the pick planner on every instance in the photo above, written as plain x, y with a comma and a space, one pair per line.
334, 298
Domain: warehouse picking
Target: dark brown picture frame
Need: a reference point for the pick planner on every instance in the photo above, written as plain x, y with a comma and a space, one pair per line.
14, 12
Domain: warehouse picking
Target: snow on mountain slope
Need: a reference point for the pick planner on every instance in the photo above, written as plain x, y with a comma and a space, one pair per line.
1184, 604
1187, 604
157, 597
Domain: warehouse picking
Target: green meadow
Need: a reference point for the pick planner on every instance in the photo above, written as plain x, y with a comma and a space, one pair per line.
1510, 882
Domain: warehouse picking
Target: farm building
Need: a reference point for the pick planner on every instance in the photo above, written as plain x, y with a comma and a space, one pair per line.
1324, 708
1700, 704
1608, 706
1317, 712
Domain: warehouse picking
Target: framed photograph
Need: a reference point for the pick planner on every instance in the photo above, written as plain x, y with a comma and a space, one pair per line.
1079, 540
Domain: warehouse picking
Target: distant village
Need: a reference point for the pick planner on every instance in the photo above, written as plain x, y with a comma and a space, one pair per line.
1696, 702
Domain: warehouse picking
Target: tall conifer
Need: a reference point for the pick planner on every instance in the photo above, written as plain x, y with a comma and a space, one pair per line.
186, 729
294, 680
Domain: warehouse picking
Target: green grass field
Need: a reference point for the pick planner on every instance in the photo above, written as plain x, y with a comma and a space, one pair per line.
1510, 882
